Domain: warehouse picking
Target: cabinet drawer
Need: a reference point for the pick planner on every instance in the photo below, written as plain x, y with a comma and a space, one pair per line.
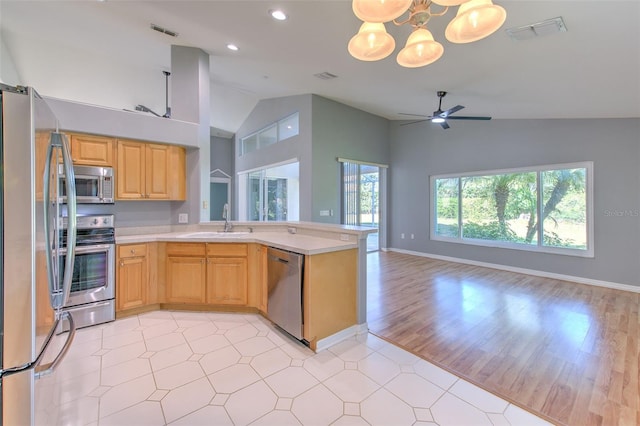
226, 249
186, 249
132, 250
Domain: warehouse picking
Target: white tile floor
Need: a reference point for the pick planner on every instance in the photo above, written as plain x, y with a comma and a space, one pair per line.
187, 368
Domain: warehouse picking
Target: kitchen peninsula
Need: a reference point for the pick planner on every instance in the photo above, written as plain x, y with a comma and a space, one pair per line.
200, 267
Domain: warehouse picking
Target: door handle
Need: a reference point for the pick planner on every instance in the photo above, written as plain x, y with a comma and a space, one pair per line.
48, 368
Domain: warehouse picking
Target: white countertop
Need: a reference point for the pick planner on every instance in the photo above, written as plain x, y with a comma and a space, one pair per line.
299, 243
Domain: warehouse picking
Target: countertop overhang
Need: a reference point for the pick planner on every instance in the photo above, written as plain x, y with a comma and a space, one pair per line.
332, 236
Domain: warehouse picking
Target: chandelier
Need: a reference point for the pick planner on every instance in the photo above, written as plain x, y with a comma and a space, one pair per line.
476, 19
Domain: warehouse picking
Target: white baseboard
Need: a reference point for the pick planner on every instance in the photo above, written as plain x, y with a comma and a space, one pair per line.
341, 335
580, 280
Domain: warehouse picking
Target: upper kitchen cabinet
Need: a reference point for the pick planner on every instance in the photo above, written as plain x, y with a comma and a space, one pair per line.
91, 150
150, 171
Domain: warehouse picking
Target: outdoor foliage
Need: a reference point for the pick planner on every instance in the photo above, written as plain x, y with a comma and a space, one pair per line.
507, 207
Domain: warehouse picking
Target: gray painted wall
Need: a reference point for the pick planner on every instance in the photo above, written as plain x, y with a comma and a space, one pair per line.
222, 154
341, 131
268, 112
421, 150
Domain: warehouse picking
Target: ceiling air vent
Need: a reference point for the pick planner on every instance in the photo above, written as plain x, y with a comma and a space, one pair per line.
325, 75
159, 29
526, 32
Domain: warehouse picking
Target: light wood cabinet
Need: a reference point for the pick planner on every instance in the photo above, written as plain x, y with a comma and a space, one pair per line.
227, 273
329, 294
209, 273
227, 280
91, 150
186, 271
150, 171
132, 283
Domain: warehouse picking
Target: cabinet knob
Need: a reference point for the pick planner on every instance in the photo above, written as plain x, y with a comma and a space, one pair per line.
121, 263
133, 251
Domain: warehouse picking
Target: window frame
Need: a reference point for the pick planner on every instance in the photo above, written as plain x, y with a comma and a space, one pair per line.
539, 247
275, 125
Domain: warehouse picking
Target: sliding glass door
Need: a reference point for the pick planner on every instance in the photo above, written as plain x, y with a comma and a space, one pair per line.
271, 194
361, 198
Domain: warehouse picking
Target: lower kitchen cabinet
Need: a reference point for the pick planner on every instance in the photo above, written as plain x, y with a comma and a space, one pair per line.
207, 273
186, 273
132, 283
227, 280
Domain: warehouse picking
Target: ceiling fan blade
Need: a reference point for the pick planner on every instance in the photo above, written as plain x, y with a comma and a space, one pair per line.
415, 115
414, 122
444, 125
445, 114
461, 117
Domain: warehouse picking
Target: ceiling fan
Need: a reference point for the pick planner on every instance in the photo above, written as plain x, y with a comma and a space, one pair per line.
440, 117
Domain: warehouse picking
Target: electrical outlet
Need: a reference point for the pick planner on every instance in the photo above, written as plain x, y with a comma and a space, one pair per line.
344, 237
183, 218
205, 205
402, 236
412, 236
325, 212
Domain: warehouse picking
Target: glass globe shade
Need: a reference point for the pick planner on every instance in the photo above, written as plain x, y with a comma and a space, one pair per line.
372, 42
476, 19
420, 50
379, 10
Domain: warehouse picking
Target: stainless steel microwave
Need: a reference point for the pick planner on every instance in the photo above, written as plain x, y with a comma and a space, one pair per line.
94, 185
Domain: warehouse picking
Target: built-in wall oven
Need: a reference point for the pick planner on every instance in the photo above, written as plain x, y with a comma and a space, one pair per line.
92, 295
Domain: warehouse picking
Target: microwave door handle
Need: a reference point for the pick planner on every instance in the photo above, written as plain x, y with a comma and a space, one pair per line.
101, 188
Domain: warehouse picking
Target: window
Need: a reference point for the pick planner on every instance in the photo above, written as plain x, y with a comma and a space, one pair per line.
545, 209
276, 132
270, 194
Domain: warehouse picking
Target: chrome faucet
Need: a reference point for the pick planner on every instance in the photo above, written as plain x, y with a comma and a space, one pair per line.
225, 215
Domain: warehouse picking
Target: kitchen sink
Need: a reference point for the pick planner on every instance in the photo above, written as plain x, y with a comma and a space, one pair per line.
214, 234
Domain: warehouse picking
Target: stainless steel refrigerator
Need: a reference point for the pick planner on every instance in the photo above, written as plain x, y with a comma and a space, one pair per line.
34, 283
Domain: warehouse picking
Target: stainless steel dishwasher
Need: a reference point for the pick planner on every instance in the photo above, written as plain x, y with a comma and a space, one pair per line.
284, 283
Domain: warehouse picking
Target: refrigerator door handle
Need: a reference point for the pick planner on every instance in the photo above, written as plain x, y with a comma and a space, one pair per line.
59, 292
43, 370
49, 367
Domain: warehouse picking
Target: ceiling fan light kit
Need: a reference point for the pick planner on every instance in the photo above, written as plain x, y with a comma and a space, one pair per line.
476, 19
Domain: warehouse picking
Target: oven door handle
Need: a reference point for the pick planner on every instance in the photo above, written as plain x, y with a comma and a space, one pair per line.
88, 249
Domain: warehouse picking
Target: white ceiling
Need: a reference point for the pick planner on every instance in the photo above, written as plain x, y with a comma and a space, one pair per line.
105, 53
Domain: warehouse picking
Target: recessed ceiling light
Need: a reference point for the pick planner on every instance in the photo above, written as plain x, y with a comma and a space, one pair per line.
278, 14
232, 46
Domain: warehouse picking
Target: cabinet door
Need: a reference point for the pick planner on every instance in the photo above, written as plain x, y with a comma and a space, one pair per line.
92, 150
177, 173
186, 279
130, 173
227, 280
132, 283
157, 172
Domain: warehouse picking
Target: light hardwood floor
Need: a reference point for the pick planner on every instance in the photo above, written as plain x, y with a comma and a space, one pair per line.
565, 351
